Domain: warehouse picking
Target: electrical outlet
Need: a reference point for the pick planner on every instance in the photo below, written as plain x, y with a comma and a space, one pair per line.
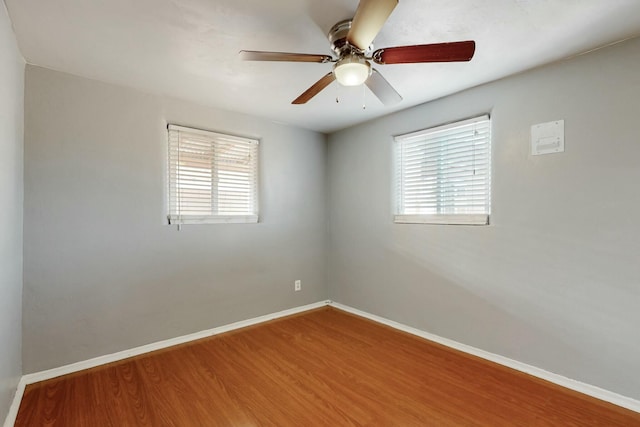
297, 285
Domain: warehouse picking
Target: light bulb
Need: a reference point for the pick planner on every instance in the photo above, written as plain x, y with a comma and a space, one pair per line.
352, 70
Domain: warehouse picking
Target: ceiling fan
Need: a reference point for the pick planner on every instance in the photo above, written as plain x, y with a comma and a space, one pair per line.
351, 41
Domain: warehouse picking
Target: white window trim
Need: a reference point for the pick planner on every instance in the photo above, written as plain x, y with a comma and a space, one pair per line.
459, 219
214, 219
438, 219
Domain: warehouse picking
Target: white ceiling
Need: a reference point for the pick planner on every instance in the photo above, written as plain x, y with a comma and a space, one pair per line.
189, 48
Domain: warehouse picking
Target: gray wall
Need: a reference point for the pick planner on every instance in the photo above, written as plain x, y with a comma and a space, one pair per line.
11, 198
555, 280
103, 272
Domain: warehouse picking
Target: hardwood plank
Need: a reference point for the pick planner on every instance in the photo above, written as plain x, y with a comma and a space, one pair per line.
322, 367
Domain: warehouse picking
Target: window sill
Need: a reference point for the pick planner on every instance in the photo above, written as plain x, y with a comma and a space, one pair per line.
218, 219
463, 219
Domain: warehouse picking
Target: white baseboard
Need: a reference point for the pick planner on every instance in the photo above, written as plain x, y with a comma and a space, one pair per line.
114, 357
10, 420
590, 390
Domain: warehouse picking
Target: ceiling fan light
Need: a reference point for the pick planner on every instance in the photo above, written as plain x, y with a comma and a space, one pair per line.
352, 70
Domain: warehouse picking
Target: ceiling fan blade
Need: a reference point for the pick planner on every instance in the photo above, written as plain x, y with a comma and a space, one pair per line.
315, 89
437, 52
368, 20
253, 55
382, 89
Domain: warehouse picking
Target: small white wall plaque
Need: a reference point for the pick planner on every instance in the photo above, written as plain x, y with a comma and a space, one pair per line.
547, 138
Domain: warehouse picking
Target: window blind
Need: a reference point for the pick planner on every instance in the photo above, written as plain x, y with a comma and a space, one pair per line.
443, 174
212, 177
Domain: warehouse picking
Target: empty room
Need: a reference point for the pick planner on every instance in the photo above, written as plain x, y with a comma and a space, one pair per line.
319, 213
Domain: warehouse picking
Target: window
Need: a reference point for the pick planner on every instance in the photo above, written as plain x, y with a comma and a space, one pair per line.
443, 174
212, 177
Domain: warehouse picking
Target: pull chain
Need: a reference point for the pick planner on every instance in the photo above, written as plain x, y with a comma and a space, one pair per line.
364, 94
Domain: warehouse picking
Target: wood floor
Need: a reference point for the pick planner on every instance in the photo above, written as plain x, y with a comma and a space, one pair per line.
320, 368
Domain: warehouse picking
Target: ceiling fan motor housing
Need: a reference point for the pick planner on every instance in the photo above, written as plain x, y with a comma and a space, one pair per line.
351, 68
338, 39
